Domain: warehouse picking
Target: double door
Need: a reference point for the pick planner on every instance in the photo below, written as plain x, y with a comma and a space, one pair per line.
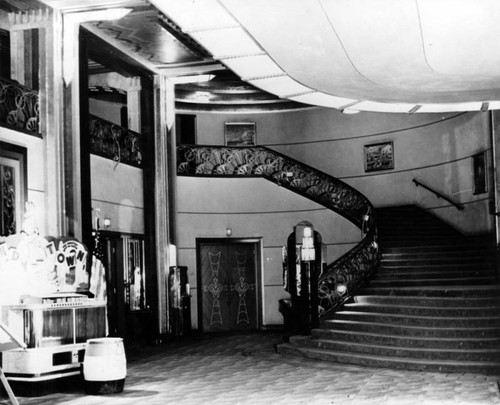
228, 294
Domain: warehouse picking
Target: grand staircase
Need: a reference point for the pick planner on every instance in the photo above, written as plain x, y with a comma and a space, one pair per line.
433, 305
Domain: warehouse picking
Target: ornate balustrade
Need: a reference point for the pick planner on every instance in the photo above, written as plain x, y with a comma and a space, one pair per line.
352, 269
18, 106
115, 142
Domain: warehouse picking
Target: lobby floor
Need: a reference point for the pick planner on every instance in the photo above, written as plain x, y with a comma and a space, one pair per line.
245, 369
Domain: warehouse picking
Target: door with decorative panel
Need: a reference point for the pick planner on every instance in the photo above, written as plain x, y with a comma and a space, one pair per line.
228, 293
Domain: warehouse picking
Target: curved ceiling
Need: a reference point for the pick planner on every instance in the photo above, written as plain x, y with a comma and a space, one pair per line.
359, 55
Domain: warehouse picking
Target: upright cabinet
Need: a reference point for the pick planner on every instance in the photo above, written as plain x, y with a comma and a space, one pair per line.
128, 301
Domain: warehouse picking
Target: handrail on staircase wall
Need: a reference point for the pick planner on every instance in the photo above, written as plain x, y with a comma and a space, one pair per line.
458, 206
349, 271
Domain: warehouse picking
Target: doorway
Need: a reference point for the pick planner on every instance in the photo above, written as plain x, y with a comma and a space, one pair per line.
229, 293
129, 314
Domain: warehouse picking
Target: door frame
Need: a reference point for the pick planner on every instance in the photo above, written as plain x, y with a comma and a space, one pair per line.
257, 241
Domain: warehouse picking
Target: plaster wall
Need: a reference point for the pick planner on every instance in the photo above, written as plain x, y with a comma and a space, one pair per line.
436, 149
117, 192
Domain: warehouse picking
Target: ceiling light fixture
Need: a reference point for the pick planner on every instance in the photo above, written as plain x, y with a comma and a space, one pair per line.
192, 79
349, 111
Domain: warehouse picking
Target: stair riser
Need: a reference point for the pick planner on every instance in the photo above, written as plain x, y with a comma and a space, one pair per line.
386, 275
426, 311
477, 302
437, 254
451, 293
463, 261
400, 341
388, 363
397, 351
430, 283
424, 322
415, 331
452, 246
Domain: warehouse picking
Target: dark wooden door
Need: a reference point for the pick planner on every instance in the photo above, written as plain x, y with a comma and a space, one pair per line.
227, 280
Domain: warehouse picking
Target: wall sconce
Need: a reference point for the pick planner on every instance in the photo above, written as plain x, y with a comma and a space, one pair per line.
229, 232
341, 289
106, 223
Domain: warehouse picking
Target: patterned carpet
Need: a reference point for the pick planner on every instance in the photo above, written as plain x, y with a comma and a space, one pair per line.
245, 369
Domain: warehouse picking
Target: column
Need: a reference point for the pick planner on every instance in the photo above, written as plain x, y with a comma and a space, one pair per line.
163, 128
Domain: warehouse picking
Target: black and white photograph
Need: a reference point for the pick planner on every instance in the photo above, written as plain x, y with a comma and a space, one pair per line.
230, 202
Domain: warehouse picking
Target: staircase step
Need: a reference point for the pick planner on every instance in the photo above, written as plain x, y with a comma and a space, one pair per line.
464, 281
429, 291
432, 305
415, 310
408, 341
437, 267
404, 274
395, 319
392, 362
471, 302
425, 261
479, 355
464, 245
412, 330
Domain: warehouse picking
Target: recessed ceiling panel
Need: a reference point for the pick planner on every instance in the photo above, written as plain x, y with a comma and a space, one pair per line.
140, 33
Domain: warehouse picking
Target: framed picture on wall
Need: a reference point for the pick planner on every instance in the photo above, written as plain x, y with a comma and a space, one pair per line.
479, 173
379, 156
240, 133
13, 187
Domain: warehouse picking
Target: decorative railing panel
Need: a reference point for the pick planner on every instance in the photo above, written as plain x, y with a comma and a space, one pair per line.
280, 169
19, 106
348, 272
115, 142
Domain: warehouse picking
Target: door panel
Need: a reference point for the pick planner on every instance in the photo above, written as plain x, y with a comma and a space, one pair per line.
227, 293
214, 291
242, 287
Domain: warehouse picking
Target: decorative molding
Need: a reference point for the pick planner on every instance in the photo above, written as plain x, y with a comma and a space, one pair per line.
30, 19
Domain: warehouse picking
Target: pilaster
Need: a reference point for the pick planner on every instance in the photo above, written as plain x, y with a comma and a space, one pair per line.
48, 24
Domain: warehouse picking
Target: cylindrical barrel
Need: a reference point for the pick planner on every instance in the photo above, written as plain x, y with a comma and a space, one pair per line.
104, 366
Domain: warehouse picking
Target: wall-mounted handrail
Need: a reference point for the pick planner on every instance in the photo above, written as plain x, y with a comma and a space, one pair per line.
458, 206
352, 269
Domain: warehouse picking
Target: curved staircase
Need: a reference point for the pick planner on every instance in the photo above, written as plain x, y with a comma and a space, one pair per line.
433, 305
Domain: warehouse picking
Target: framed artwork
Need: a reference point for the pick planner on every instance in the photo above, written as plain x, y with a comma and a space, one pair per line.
479, 173
240, 133
379, 156
13, 187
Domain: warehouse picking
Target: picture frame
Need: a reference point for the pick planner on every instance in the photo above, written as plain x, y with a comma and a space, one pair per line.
379, 156
480, 180
13, 187
240, 134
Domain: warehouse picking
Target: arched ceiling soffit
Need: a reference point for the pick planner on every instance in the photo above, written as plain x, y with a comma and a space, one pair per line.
376, 55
